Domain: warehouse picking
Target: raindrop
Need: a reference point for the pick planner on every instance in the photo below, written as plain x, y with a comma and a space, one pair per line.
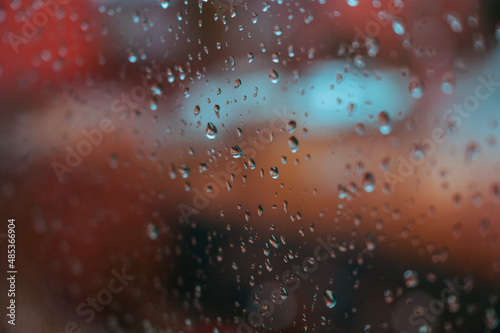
211, 131
329, 298
132, 57
236, 152
368, 182
369, 241
293, 144
411, 278
416, 88
455, 22
283, 293
274, 172
268, 265
342, 192
384, 123
388, 296
277, 30
359, 129
448, 83
273, 75
164, 3
398, 25
237, 83
152, 231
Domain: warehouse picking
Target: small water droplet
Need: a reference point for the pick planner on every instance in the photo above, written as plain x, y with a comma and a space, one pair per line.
398, 25
411, 278
368, 182
274, 172
329, 298
384, 123
236, 152
164, 3
211, 131
273, 75
416, 88
293, 144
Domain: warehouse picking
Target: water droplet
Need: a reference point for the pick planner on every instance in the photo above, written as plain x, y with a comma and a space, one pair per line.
368, 182
342, 192
236, 152
448, 83
274, 241
251, 163
398, 25
359, 61
372, 46
293, 144
329, 298
283, 293
268, 265
411, 278
255, 17
274, 172
291, 126
277, 30
152, 231
388, 296
273, 75
384, 123
455, 22
132, 57
416, 88
184, 170
164, 3
370, 242
237, 83
211, 131
359, 129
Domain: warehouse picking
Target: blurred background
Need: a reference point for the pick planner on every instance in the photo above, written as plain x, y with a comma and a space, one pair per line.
251, 166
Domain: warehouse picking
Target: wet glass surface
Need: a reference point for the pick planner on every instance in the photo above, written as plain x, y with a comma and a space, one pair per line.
250, 166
